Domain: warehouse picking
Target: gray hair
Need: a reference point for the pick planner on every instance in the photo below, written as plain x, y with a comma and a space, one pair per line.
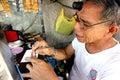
111, 9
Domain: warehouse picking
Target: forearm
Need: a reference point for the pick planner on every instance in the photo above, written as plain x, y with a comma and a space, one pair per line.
59, 54
62, 54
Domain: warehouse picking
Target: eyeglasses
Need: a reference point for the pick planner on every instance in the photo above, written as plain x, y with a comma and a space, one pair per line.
86, 26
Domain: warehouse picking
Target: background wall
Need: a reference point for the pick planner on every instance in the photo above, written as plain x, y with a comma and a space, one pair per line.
51, 11
22, 20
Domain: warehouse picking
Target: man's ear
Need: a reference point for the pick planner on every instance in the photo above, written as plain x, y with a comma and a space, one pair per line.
113, 29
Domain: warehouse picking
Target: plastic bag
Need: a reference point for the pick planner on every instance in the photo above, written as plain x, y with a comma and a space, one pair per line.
64, 25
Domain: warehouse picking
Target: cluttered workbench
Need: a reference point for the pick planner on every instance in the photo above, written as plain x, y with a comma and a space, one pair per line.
61, 68
19, 52
22, 43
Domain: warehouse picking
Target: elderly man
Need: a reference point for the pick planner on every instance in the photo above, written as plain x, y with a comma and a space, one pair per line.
97, 53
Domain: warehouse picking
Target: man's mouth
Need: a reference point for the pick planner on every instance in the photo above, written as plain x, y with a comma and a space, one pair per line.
79, 36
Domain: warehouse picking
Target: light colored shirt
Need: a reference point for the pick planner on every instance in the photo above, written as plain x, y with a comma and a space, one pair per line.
104, 65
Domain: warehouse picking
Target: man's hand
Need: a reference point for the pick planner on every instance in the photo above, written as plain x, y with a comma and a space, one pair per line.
40, 70
42, 48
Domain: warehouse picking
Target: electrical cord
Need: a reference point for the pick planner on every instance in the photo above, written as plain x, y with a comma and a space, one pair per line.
31, 23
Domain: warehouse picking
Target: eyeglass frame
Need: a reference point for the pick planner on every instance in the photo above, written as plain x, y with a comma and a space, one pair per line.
79, 21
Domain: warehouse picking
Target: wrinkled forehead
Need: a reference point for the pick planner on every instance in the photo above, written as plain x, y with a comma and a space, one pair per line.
90, 8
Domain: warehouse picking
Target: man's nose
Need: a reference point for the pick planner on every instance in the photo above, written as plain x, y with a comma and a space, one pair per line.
77, 26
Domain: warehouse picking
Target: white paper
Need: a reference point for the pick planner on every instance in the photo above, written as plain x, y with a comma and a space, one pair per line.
28, 53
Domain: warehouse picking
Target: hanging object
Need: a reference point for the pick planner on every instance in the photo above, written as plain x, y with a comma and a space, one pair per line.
64, 24
5, 5
19, 5
31, 5
1, 7
27, 5
35, 7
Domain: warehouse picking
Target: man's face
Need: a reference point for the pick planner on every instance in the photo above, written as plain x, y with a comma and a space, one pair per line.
85, 29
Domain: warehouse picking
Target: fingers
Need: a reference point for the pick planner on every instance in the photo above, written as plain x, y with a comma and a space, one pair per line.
32, 60
29, 67
37, 45
42, 51
26, 75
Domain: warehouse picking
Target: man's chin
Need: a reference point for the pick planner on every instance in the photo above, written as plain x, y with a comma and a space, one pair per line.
81, 40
